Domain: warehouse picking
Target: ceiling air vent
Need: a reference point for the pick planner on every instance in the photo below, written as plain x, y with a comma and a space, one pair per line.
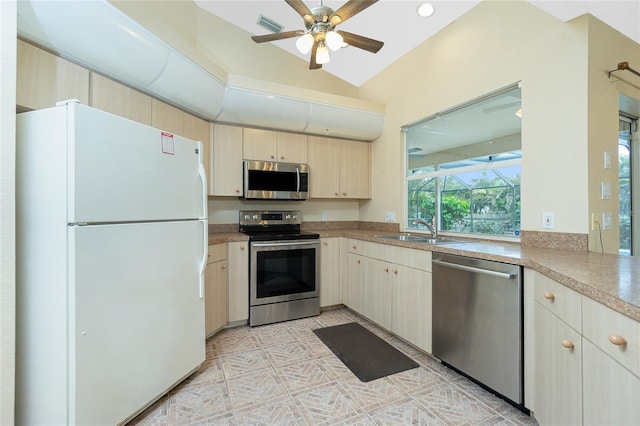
269, 24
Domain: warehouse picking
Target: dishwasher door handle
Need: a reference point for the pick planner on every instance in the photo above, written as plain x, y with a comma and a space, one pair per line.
504, 275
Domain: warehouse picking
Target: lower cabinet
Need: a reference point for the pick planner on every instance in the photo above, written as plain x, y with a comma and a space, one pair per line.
330, 291
216, 299
352, 294
587, 360
558, 358
392, 287
238, 261
411, 306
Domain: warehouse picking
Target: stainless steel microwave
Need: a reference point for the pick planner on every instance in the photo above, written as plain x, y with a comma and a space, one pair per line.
266, 180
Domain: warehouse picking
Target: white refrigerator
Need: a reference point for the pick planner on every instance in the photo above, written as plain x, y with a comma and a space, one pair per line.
111, 251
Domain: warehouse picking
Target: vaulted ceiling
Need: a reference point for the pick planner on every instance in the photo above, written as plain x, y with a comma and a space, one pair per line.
397, 24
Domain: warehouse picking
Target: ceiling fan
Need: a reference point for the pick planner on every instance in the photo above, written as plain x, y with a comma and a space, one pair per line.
320, 34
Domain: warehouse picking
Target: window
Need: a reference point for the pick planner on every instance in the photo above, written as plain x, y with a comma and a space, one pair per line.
463, 167
627, 127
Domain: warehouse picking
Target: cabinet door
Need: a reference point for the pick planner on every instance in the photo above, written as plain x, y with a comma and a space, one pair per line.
330, 272
292, 148
324, 161
355, 169
226, 161
376, 291
611, 393
216, 299
42, 79
353, 293
107, 95
411, 310
558, 387
238, 261
199, 130
259, 145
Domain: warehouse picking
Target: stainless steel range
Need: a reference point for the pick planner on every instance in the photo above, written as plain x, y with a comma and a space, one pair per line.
284, 274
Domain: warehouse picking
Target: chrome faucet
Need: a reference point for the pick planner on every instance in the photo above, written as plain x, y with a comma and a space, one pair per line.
430, 226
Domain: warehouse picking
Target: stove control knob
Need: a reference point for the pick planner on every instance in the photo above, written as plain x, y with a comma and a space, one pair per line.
295, 217
255, 217
247, 217
288, 217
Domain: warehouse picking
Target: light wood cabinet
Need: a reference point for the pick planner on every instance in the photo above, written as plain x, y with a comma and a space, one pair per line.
108, 95
558, 366
238, 261
376, 293
42, 79
226, 161
353, 285
216, 298
167, 117
266, 145
339, 168
330, 291
411, 306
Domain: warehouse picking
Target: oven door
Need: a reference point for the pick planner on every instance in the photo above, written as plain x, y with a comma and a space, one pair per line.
283, 270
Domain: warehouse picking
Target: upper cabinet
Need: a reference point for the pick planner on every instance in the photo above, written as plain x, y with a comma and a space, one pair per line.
43, 79
226, 161
266, 145
339, 168
119, 99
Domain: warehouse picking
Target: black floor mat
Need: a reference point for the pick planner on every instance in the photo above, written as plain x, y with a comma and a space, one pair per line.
368, 356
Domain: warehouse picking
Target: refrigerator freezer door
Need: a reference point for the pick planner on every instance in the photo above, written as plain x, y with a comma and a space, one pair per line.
137, 321
123, 171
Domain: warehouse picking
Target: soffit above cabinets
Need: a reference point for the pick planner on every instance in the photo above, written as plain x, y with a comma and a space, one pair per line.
101, 38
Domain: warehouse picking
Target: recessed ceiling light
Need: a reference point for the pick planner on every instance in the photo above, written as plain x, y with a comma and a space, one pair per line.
426, 10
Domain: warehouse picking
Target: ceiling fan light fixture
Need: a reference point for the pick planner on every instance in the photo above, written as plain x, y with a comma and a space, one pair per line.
426, 9
322, 54
305, 43
334, 40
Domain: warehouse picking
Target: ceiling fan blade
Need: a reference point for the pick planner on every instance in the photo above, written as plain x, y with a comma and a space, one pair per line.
361, 42
349, 9
302, 10
277, 36
313, 65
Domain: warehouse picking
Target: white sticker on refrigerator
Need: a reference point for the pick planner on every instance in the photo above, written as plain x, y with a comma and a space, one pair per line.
167, 143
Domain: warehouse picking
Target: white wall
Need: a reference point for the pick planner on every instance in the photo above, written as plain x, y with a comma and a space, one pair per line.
7, 208
495, 44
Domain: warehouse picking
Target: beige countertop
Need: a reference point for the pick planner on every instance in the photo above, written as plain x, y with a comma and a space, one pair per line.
609, 279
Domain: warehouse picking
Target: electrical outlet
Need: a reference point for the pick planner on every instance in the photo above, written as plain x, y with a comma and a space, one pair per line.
606, 190
390, 216
548, 220
593, 221
607, 160
324, 216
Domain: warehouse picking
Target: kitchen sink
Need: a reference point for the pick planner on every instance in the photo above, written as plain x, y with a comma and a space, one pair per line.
419, 238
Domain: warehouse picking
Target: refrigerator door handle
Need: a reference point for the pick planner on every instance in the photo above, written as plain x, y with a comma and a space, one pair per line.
203, 261
203, 178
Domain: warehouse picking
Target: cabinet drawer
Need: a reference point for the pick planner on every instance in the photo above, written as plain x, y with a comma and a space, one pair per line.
560, 300
355, 246
217, 252
603, 326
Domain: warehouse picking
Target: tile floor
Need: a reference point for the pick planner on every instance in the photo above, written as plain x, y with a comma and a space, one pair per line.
282, 374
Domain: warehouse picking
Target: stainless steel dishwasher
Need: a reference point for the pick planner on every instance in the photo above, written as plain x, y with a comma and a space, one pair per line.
477, 321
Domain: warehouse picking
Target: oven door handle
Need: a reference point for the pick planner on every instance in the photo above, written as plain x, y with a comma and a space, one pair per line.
286, 243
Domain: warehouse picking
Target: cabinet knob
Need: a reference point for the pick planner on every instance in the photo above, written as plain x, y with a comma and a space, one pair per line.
241, 247
353, 247
617, 340
549, 296
282, 157
344, 194
273, 156
224, 266
237, 191
325, 243
386, 269
358, 261
336, 194
395, 271
568, 344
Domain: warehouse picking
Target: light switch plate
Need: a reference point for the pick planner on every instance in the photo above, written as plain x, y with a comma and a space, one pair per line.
606, 220
390, 216
324, 216
606, 190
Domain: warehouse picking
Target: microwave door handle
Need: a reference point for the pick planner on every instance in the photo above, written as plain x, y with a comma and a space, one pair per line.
298, 180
